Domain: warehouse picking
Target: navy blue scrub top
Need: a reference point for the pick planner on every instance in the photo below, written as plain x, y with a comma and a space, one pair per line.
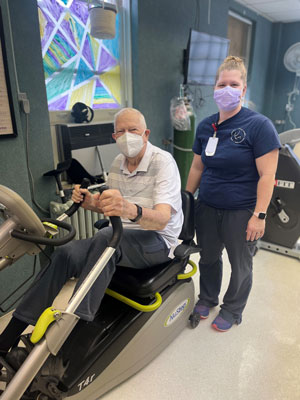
229, 180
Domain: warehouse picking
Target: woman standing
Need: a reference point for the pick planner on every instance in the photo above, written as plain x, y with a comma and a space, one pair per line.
234, 165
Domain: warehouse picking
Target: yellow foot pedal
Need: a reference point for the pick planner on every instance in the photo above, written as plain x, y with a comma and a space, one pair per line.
47, 317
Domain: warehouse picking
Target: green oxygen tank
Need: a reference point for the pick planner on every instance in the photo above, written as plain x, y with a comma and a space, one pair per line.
182, 144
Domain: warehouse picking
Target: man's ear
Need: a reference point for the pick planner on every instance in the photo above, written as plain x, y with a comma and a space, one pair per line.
113, 136
244, 90
147, 133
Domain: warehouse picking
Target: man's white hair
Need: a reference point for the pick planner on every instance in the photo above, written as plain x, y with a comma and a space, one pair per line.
130, 110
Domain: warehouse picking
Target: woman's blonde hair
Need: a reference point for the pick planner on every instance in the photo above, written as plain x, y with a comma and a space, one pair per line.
230, 63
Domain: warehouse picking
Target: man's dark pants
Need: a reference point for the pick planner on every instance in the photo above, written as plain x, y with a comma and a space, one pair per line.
137, 249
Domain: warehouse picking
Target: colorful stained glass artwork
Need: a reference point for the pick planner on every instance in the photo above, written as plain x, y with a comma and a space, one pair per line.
73, 30
46, 27
84, 94
80, 10
65, 3
91, 50
59, 104
113, 45
60, 83
112, 81
84, 73
77, 66
106, 60
58, 53
102, 98
52, 7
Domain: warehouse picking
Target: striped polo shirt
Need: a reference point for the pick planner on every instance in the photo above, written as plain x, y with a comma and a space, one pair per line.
156, 180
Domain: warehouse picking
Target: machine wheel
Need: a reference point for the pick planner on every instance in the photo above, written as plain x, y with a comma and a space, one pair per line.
194, 319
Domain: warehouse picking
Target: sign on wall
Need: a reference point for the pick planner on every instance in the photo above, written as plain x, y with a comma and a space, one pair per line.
7, 127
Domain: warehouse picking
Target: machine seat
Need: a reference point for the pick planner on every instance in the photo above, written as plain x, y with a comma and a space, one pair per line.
147, 281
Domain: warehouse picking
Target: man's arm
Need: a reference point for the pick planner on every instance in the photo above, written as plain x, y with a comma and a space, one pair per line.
112, 203
155, 219
266, 167
195, 174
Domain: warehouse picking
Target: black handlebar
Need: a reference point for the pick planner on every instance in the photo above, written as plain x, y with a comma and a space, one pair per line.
117, 232
115, 222
74, 207
47, 241
102, 188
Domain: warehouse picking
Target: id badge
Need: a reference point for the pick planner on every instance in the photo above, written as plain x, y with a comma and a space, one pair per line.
211, 146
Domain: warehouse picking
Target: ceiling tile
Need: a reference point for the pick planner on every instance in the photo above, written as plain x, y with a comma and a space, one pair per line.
255, 2
279, 6
286, 16
275, 10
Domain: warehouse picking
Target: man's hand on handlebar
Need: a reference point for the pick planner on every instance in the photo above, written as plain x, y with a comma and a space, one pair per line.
86, 199
112, 203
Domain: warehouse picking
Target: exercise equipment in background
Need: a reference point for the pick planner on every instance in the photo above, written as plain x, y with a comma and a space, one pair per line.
291, 62
75, 173
283, 216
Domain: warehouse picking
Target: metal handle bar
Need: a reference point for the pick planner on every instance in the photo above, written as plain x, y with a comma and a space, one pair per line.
59, 222
116, 225
47, 241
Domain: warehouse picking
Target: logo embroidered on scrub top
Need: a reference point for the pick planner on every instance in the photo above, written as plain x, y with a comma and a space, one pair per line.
238, 135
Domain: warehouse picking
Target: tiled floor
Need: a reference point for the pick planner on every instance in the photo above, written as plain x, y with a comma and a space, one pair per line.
257, 360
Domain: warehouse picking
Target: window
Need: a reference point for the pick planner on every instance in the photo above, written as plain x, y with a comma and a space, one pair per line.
79, 67
239, 33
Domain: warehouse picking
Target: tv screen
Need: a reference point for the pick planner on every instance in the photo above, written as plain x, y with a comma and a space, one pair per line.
204, 55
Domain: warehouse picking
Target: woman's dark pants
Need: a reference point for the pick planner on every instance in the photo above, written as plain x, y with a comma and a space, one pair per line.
217, 229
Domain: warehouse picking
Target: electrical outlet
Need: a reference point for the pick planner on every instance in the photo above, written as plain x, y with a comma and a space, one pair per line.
24, 102
22, 96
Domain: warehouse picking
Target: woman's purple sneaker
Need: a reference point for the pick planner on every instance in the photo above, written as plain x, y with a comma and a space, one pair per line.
220, 324
202, 310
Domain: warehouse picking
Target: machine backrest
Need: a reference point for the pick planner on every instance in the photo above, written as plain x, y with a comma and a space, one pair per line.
297, 150
188, 227
285, 201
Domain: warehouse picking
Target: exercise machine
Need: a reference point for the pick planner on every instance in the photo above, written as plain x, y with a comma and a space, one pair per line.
141, 313
75, 174
283, 216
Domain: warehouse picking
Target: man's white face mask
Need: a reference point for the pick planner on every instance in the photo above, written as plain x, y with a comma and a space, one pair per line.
130, 144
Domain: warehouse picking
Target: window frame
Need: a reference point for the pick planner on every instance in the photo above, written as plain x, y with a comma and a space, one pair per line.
107, 115
249, 35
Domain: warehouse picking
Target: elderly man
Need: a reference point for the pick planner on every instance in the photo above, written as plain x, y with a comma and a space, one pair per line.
144, 190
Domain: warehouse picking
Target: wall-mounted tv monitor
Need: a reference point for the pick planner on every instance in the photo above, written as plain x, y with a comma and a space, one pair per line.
204, 55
